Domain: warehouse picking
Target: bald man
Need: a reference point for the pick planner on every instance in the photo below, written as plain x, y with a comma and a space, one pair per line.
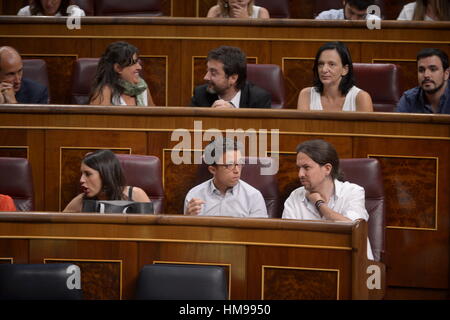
14, 88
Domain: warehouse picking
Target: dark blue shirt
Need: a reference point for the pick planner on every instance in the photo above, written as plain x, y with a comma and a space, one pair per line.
32, 92
413, 101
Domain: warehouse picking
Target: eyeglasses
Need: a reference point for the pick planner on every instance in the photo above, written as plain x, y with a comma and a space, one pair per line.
232, 166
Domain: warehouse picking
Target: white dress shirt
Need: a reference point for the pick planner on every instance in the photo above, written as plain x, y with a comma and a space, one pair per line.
347, 200
242, 200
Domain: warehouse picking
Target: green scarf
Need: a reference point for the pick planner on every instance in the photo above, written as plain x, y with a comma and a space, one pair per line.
134, 90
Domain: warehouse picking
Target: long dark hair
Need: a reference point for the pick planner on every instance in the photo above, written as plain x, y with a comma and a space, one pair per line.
120, 52
108, 166
322, 152
441, 9
347, 81
36, 7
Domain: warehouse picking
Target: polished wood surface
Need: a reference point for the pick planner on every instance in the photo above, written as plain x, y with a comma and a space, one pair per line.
173, 49
111, 249
413, 149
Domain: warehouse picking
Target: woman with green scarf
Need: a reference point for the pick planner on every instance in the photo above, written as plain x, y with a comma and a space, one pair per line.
117, 81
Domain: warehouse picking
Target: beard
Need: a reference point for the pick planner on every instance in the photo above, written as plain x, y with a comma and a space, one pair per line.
433, 91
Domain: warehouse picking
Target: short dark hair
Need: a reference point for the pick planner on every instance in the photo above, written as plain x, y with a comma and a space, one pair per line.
110, 170
234, 62
322, 152
347, 81
216, 148
429, 52
36, 7
360, 4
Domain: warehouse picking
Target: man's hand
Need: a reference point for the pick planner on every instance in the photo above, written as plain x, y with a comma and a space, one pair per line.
222, 104
313, 197
7, 91
195, 206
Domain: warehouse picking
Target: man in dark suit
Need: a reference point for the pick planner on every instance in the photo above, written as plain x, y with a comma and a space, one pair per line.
14, 88
226, 83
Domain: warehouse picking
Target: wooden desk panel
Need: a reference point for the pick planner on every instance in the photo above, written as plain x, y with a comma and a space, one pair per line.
111, 249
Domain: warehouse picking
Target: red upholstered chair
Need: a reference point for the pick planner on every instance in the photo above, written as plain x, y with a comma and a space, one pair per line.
251, 173
276, 8
366, 172
144, 172
86, 5
16, 181
36, 70
82, 79
381, 81
270, 78
128, 8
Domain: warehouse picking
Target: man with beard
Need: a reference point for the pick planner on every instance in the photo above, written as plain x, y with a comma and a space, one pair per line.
323, 196
226, 83
352, 10
433, 93
13, 87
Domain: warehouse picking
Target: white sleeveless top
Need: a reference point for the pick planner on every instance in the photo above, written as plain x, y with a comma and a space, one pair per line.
349, 103
254, 15
117, 100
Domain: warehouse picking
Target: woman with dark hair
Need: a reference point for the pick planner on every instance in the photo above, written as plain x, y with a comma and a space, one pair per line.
322, 195
334, 87
437, 10
117, 81
51, 8
237, 9
102, 179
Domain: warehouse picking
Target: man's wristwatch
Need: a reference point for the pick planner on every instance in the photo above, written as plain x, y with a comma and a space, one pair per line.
318, 204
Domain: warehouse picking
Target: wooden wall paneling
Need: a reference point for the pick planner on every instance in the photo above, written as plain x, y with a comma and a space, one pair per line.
27, 144
9, 7
14, 251
301, 9
167, 7
108, 268
194, 52
203, 6
233, 256
65, 151
409, 229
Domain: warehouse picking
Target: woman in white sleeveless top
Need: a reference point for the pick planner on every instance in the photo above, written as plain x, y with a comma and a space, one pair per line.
334, 88
237, 9
117, 81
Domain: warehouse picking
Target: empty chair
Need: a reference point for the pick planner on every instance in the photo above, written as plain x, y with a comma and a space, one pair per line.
366, 172
16, 181
182, 282
144, 172
128, 8
381, 81
276, 8
53, 281
270, 78
251, 173
36, 70
82, 80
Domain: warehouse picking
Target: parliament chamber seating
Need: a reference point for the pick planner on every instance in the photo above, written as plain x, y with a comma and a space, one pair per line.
182, 282
82, 79
270, 78
144, 172
251, 173
16, 181
128, 8
38, 282
36, 70
276, 8
366, 172
382, 81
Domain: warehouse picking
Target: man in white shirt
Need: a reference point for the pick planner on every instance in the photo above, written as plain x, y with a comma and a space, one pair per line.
323, 196
352, 10
225, 194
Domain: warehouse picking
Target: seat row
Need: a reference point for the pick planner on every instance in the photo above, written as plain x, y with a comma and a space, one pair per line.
381, 80
145, 172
